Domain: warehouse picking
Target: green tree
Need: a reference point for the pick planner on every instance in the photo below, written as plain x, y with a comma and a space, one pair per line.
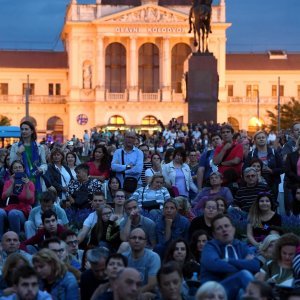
4, 121
289, 113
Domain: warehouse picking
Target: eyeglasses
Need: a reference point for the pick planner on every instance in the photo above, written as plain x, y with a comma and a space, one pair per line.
139, 238
58, 250
74, 242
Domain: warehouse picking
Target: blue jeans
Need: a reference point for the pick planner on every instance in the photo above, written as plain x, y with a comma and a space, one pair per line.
16, 220
234, 283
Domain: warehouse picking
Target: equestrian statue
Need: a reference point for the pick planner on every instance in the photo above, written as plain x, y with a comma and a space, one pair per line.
199, 21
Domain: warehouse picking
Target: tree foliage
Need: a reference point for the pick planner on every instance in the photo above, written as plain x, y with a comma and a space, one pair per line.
289, 113
4, 121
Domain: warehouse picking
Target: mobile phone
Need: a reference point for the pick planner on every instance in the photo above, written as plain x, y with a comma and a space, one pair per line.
19, 176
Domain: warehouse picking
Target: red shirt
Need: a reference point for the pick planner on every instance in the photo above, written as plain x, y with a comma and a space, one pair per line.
94, 170
236, 151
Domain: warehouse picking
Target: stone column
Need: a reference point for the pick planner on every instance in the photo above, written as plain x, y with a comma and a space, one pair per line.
100, 61
133, 70
166, 70
75, 68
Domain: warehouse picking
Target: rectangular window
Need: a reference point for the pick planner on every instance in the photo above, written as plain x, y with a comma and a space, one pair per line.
248, 91
274, 90
255, 91
230, 90
50, 89
3, 88
298, 92
31, 88
54, 89
57, 89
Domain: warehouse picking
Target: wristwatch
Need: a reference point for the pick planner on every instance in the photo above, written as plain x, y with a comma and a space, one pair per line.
128, 167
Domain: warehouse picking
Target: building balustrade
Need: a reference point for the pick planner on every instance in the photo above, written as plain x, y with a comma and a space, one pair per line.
262, 100
16, 99
116, 96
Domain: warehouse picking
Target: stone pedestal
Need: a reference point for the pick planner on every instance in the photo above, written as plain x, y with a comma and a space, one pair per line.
202, 88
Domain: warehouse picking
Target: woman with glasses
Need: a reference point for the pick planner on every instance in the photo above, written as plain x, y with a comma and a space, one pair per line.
262, 219
17, 198
106, 232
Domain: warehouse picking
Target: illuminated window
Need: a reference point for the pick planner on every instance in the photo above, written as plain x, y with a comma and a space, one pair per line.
54, 89
116, 120
149, 120
252, 90
3, 88
274, 90
31, 88
230, 90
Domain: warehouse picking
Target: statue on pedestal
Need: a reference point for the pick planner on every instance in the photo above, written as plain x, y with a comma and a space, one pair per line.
199, 22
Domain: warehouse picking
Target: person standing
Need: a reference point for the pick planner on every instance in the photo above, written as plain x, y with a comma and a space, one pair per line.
86, 143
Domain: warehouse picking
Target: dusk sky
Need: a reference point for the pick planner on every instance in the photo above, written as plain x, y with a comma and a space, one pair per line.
257, 25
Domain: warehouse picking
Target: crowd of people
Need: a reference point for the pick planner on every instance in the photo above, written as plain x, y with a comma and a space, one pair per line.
133, 216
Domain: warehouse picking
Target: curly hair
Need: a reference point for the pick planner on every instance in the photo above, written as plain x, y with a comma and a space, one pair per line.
288, 239
172, 247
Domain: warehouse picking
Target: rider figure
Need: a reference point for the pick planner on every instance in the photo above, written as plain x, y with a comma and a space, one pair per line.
206, 11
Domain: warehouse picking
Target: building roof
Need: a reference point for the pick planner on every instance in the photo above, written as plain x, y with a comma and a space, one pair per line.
138, 2
262, 61
34, 59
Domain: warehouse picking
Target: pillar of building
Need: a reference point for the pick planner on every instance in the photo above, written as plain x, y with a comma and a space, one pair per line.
166, 71
100, 78
133, 70
74, 68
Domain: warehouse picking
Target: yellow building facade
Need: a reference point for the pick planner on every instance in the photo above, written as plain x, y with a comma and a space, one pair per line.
123, 65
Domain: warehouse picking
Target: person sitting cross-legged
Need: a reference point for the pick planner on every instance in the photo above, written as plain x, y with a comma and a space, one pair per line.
227, 260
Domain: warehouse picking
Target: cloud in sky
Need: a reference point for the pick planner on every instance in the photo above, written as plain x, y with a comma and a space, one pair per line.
257, 25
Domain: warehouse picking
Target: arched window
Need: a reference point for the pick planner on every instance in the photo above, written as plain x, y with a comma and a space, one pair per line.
116, 120
149, 120
115, 68
149, 68
234, 123
55, 127
180, 53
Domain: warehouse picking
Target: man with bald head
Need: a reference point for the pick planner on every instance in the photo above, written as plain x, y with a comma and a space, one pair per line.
128, 161
142, 259
10, 244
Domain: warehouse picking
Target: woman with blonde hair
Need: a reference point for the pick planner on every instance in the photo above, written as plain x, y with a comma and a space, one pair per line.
55, 278
266, 248
211, 290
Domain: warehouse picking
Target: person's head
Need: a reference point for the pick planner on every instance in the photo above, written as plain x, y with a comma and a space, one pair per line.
12, 263
54, 244
145, 149
259, 290
48, 266
16, 166
114, 264
210, 209
179, 155
222, 228
114, 183
221, 204
98, 200
260, 138
137, 240
131, 206
211, 290
183, 204
128, 284
227, 133
155, 159
120, 197
178, 251
169, 279
169, 155
71, 159
47, 200
198, 241
100, 152
97, 257
49, 220
28, 131
215, 179
3, 153
296, 130
250, 177
285, 249
10, 242
82, 172
129, 139
193, 157
267, 246
57, 156
216, 140
104, 213
70, 238
257, 164
26, 284
170, 208
156, 182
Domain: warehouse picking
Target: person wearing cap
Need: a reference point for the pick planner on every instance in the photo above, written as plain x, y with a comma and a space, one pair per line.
170, 226
230, 154
215, 190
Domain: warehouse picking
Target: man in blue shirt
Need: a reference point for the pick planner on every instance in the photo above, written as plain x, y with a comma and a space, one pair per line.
227, 260
128, 161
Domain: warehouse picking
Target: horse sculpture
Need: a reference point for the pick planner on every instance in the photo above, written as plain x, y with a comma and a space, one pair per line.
199, 21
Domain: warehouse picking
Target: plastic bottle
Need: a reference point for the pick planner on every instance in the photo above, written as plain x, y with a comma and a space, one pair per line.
195, 276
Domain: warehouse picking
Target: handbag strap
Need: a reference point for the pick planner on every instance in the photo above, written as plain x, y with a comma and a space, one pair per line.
123, 161
143, 195
227, 153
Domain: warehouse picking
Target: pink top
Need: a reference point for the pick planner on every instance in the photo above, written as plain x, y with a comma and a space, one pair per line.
94, 171
24, 204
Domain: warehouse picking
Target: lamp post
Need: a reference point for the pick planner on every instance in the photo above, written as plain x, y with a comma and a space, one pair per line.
27, 99
278, 105
257, 113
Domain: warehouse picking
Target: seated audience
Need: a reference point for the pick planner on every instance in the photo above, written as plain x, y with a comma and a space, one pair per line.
198, 240
259, 290
17, 198
266, 248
